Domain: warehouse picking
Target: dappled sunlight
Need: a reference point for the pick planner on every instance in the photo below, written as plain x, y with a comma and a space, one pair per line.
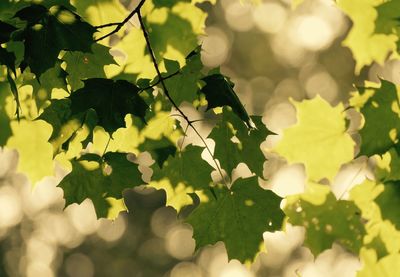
118, 157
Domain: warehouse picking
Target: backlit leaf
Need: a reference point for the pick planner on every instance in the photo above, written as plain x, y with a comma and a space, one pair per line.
319, 127
238, 217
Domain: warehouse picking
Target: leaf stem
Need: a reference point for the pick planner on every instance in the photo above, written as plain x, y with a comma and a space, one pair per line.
166, 92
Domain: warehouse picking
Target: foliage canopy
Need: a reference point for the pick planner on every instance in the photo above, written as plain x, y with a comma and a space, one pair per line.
95, 114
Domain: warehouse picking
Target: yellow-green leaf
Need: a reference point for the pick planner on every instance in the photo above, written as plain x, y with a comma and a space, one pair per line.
30, 138
366, 45
318, 140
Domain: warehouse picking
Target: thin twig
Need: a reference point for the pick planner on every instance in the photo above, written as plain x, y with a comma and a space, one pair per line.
159, 81
107, 25
122, 23
363, 166
166, 92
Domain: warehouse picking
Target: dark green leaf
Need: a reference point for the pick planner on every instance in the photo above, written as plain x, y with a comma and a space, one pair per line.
388, 201
246, 150
82, 183
47, 33
96, 184
219, 92
5, 31
54, 77
187, 167
238, 217
185, 85
7, 59
124, 173
5, 128
380, 120
112, 101
57, 115
327, 222
160, 149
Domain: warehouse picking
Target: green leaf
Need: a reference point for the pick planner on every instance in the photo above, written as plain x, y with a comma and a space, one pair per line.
81, 66
48, 32
124, 173
387, 21
166, 3
366, 45
57, 115
175, 31
185, 85
35, 155
379, 246
388, 167
377, 138
112, 101
326, 219
88, 179
238, 217
7, 59
84, 183
5, 31
247, 150
320, 129
159, 149
4, 119
219, 92
65, 125
226, 151
99, 12
180, 168
388, 201
54, 77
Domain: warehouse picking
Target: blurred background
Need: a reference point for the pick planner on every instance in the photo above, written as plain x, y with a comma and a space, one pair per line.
273, 53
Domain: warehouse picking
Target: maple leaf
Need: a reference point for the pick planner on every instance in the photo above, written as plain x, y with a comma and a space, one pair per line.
179, 168
81, 65
88, 180
377, 138
112, 101
319, 127
50, 31
326, 219
237, 216
366, 45
247, 147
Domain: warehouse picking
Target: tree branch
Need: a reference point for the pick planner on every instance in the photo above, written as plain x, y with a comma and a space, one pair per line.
166, 92
120, 24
